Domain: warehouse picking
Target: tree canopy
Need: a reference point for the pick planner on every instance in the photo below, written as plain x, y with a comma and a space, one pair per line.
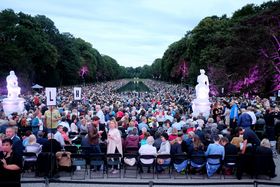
239, 54
39, 53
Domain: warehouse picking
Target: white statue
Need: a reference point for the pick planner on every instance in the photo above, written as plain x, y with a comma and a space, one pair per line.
201, 104
202, 89
12, 86
13, 103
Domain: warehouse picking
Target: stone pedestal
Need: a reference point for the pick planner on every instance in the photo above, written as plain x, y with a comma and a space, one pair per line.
201, 107
13, 105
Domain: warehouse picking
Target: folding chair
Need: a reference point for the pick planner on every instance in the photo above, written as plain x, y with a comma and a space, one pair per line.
97, 164
132, 165
179, 159
132, 150
164, 157
230, 165
215, 160
29, 162
71, 148
79, 166
114, 161
145, 165
197, 165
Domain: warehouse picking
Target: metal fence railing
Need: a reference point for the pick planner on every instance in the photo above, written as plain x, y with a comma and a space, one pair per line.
50, 182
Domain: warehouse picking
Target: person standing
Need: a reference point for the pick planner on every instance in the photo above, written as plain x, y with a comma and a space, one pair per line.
100, 114
52, 116
244, 120
114, 142
233, 116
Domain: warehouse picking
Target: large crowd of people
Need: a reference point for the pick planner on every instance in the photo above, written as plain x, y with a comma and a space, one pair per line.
156, 122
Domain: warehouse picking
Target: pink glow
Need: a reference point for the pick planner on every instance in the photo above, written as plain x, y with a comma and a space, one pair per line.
83, 71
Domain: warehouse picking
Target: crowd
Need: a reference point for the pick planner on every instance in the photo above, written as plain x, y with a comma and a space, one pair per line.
156, 122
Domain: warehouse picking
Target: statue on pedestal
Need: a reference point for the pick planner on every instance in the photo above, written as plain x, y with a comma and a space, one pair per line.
12, 86
13, 103
202, 89
201, 104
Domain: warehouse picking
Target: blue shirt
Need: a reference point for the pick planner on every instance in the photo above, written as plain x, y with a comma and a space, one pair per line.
234, 112
245, 120
215, 149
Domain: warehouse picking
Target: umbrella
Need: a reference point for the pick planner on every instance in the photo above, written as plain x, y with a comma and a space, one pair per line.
37, 86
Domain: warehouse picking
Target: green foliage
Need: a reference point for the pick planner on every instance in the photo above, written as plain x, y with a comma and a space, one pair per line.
226, 47
39, 53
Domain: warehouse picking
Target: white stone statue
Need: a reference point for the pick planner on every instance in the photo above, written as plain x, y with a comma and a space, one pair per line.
12, 86
201, 104
202, 89
13, 103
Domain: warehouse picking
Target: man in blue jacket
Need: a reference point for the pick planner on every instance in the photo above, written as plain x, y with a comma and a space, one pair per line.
233, 115
244, 120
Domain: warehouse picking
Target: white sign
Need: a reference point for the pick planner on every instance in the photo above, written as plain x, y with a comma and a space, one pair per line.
77, 93
51, 96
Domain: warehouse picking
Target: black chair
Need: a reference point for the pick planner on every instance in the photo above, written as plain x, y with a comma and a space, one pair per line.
132, 150
263, 166
72, 134
143, 165
230, 165
179, 159
260, 129
78, 166
29, 162
82, 134
97, 163
113, 161
168, 166
197, 165
133, 157
215, 160
71, 148
86, 150
103, 147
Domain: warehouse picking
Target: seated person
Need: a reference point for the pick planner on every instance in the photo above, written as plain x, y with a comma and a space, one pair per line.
164, 150
215, 148
196, 149
65, 136
264, 159
144, 140
147, 149
33, 146
132, 140
177, 148
230, 150
51, 145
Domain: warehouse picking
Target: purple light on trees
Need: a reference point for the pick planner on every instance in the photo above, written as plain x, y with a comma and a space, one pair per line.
248, 83
184, 69
83, 71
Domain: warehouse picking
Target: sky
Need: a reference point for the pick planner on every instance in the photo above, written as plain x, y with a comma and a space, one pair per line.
134, 32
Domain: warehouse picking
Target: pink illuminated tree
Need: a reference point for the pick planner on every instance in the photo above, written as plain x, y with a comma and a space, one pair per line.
83, 71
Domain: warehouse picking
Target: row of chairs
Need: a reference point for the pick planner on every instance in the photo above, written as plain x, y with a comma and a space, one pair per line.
101, 163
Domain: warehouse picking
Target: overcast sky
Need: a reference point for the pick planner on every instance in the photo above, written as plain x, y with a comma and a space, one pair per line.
134, 32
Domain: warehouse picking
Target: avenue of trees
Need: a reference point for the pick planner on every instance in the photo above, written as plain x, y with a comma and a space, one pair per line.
35, 49
240, 53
